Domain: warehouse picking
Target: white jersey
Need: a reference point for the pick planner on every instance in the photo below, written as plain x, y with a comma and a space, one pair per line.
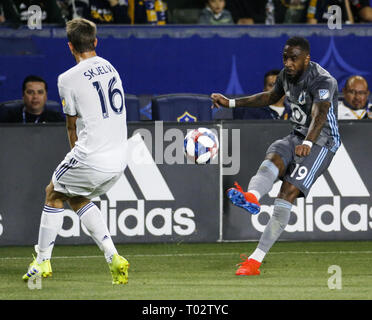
346, 113
92, 91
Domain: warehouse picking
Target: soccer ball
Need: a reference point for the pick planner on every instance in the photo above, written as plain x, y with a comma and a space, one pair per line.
200, 145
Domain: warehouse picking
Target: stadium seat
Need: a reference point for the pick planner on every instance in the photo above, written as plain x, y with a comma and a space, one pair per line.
185, 16
50, 104
252, 113
340, 96
131, 102
223, 114
182, 107
145, 106
132, 105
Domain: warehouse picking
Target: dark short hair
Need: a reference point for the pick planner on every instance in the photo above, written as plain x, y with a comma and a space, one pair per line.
33, 78
299, 42
82, 34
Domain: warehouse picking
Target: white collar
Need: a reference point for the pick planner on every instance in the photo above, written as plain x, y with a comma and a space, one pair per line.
216, 16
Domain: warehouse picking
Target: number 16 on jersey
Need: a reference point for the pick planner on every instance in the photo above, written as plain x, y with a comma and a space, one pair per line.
115, 97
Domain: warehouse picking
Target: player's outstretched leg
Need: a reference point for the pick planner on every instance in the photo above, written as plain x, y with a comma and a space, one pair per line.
246, 200
91, 218
50, 224
273, 230
259, 185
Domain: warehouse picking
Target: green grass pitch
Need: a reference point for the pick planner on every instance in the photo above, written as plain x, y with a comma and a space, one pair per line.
292, 270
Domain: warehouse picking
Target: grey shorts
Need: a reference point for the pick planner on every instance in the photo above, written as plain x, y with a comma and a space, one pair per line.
301, 172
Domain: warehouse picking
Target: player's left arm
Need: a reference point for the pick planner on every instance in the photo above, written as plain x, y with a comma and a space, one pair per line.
71, 129
319, 117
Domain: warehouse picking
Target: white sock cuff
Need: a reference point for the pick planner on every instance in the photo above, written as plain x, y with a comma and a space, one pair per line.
258, 255
84, 209
283, 203
49, 209
255, 193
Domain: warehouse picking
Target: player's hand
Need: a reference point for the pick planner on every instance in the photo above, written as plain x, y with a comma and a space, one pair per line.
302, 150
219, 100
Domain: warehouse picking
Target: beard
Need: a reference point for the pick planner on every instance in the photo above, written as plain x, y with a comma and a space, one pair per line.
293, 77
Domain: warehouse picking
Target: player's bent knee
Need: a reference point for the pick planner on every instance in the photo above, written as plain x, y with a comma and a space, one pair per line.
53, 198
77, 202
49, 188
288, 192
278, 162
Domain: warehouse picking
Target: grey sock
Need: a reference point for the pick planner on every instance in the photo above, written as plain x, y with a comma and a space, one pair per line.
265, 177
276, 225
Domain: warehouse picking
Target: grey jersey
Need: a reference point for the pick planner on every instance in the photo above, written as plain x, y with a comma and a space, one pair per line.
314, 85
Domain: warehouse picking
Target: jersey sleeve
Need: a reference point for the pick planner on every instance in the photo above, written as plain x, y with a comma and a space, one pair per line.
323, 90
278, 87
67, 99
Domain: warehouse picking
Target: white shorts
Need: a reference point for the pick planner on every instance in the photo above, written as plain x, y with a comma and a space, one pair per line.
73, 178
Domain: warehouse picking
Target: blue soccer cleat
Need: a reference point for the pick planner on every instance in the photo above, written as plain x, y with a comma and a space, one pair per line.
245, 200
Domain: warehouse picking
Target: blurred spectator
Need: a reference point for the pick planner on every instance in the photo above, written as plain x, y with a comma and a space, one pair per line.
32, 109
185, 11
269, 83
268, 11
51, 12
154, 12
247, 12
276, 111
352, 11
2, 15
295, 11
65, 10
100, 11
215, 13
9, 15
355, 103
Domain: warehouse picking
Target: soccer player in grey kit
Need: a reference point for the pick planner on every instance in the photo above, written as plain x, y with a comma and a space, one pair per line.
299, 158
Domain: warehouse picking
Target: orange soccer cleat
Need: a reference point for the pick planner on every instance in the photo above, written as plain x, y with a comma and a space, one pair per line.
248, 267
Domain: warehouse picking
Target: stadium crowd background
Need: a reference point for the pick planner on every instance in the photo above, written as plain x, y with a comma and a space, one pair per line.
354, 94
160, 12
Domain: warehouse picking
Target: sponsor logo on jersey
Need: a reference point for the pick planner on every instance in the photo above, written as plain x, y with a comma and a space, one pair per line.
302, 98
323, 94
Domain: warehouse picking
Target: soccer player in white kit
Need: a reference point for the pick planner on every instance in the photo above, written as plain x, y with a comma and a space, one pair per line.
93, 101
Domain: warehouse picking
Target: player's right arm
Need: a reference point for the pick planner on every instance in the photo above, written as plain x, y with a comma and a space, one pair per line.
69, 108
262, 99
71, 129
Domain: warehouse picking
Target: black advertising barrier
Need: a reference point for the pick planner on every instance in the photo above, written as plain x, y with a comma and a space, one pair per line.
155, 201
339, 206
164, 199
